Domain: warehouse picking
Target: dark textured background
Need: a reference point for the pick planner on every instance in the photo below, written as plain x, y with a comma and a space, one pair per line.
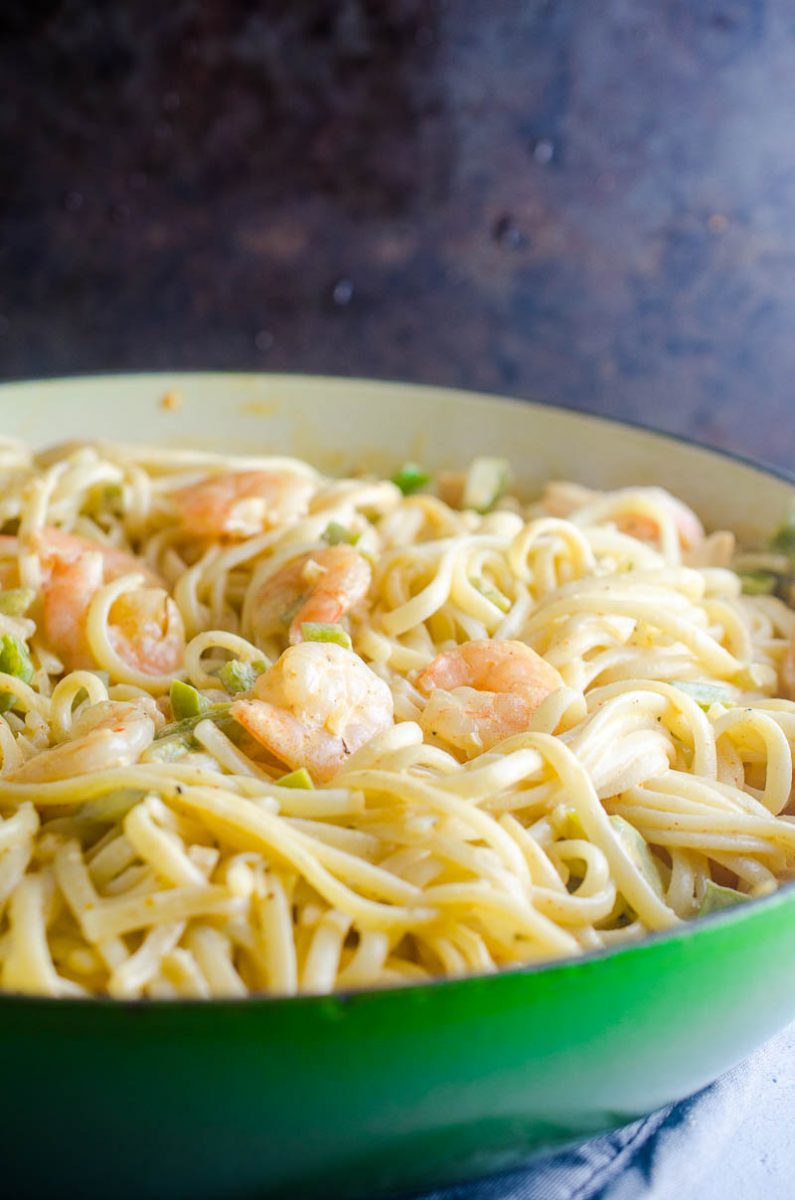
589, 202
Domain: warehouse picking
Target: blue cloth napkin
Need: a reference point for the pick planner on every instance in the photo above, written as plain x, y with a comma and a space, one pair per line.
734, 1139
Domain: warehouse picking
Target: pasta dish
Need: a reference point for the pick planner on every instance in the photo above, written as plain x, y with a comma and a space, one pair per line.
266, 731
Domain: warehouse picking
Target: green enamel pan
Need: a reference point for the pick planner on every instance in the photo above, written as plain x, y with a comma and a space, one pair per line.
384, 1093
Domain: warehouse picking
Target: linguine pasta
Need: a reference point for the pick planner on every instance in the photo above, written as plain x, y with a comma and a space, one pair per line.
265, 731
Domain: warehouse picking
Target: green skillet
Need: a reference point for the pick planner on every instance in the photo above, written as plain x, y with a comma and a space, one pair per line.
382, 1093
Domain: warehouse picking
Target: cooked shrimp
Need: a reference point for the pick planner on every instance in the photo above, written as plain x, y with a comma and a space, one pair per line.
146, 630
56, 545
67, 595
321, 586
106, 736
716, 550
242, 504
145, 626
482, 692
563, 499
316, 705
646, 529
450, 486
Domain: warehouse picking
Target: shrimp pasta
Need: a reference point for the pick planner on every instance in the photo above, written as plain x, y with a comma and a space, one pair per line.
265, 731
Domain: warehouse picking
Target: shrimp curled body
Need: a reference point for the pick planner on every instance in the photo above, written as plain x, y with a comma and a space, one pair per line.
146, 631
315, 706
145, 626
321, 586
565, 499
106, 736
242, 504
483, 692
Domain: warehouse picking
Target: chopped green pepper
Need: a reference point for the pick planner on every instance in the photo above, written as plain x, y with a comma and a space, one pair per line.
15, 659
489, 592
316, 631
15, 602
758, 583
236, 676
105, 497
296, 779
219, 713
636, 846
569, 823
335, 535
186, 701
113, 493
109, 808
717, 897
705, 694
410, 478
783, 540
487, 480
